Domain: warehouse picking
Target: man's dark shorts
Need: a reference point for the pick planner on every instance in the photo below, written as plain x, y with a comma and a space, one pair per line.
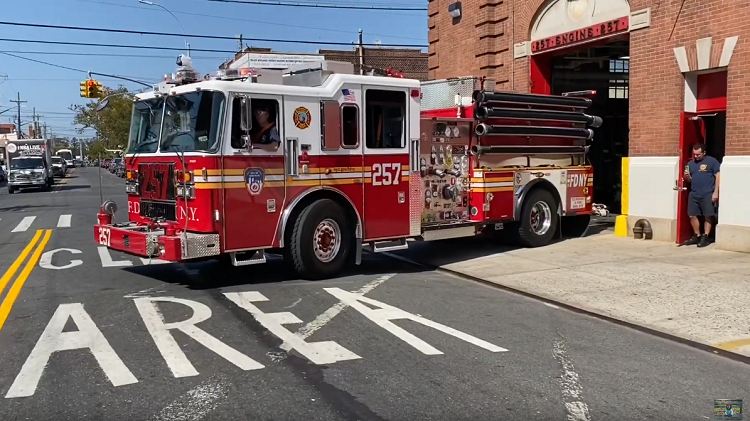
700, 205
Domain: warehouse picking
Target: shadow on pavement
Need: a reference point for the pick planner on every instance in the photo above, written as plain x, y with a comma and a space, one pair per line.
63, 187
217, 274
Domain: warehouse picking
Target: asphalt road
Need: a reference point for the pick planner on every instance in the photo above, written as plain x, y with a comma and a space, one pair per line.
86, 338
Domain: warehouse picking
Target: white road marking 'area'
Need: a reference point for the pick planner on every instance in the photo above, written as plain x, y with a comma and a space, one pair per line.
64, 221
570, 385
307, 330
88, 336
53, 339
25, 224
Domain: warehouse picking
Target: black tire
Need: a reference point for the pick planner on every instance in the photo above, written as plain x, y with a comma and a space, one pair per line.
301, 253
527, 236
11, 190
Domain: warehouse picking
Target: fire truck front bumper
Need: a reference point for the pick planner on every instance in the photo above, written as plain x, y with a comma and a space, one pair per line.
140, 240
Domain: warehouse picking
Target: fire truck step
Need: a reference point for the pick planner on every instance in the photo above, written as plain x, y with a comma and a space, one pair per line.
244, 258
393, 245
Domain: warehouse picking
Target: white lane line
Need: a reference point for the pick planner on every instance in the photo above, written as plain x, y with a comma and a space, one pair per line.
64, 221
307, 330
570, 385
25, 224
197, 402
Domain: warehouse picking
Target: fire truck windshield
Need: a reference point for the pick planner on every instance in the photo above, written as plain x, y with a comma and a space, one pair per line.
145, 126
192, 122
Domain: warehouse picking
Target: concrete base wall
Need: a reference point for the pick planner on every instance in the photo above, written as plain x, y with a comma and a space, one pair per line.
664, 229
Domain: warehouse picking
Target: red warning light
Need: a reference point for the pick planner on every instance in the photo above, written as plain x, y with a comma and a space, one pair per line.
91, 83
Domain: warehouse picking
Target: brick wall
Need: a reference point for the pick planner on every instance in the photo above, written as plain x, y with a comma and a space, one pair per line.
656, 85
481, 44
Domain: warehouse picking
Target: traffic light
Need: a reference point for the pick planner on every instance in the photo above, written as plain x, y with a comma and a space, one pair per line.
91, 89
84, 89
99, 89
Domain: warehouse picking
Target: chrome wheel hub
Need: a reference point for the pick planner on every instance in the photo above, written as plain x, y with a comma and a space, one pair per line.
541, 218
327, 240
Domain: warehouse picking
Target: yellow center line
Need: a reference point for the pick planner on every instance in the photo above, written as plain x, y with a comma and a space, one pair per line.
15, 290
8, 275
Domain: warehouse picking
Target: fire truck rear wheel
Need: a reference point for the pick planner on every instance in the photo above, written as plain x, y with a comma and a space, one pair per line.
539, 219
320, 240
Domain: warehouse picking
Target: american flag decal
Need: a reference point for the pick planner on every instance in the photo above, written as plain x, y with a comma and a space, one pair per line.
349, 95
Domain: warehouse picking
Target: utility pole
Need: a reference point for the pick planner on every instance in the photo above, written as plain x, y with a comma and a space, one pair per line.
44, 131
361, 53
18, 103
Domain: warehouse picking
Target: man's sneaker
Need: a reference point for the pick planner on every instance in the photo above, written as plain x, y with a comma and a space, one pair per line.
704, 241
692, 241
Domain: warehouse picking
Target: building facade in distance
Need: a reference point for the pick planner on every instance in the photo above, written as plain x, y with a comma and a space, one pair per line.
668, 74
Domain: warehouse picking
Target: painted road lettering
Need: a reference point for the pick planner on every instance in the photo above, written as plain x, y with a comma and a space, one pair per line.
105, 256
320, 353
167, 345
48, 256
385, 313
107, 260
53, 340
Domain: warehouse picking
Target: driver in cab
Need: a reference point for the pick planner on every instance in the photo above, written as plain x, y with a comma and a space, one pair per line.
267, 136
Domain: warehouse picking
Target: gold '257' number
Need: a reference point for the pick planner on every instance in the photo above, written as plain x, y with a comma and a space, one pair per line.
386, 174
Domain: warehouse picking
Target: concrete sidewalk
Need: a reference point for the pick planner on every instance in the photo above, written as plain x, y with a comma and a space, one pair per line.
698, 294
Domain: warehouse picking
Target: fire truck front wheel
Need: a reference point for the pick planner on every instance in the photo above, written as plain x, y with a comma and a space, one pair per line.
320, 240
539, 218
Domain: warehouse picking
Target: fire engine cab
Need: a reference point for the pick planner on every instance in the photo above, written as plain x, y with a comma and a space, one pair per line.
318, 164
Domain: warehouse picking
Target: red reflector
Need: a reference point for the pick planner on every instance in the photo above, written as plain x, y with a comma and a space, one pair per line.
415, 93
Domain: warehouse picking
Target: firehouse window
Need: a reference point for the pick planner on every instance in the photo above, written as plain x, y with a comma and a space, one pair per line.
385, 122
261, 130
350, 126
618, 88
192, 122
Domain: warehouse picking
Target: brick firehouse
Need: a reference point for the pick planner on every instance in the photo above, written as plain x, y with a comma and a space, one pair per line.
668, 74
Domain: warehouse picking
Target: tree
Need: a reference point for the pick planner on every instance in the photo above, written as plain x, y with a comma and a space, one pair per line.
112, 124
97, 149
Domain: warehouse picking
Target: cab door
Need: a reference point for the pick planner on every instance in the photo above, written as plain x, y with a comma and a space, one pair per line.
302, 134
252, 178
386, 162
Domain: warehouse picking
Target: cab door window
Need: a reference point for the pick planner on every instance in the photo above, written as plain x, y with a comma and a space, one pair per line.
255, 124
385, 122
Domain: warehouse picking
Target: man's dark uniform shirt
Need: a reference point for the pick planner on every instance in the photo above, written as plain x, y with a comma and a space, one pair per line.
703, 175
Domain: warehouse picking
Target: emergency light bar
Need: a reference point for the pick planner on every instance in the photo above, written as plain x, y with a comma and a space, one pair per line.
234, 74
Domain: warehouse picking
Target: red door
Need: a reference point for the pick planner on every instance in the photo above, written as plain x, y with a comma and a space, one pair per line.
691, 132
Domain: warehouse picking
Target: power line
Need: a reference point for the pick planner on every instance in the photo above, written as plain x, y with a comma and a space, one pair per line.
57, 65
69, 53
63, 53
275, 24
321, 6
173, 34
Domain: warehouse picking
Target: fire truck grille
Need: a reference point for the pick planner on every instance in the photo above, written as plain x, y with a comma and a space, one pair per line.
157, 181
159, 210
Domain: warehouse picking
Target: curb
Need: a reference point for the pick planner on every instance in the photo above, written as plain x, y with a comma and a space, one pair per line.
640, 328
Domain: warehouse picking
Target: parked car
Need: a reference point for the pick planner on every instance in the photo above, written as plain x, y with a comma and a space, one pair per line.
59, 167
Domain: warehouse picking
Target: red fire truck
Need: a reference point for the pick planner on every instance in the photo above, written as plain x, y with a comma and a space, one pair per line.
317, 164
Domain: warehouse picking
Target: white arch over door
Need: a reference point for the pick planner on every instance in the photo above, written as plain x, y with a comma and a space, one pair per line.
562, 16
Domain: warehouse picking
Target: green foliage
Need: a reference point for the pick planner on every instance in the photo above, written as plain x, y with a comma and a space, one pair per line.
112, 124
97, 149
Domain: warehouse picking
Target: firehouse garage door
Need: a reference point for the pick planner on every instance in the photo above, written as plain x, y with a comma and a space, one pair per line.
604, 68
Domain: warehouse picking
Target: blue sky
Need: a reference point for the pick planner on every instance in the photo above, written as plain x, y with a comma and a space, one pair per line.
52, 90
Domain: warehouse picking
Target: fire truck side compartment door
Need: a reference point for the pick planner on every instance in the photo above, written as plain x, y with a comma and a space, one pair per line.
386, 161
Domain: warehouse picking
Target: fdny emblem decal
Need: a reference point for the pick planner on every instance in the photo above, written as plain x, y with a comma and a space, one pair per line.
302, 118
254, 180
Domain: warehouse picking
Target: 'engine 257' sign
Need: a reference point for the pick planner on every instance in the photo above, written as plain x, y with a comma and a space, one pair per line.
581, 35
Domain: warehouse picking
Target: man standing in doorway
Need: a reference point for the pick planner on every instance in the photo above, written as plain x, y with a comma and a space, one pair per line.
702, 172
